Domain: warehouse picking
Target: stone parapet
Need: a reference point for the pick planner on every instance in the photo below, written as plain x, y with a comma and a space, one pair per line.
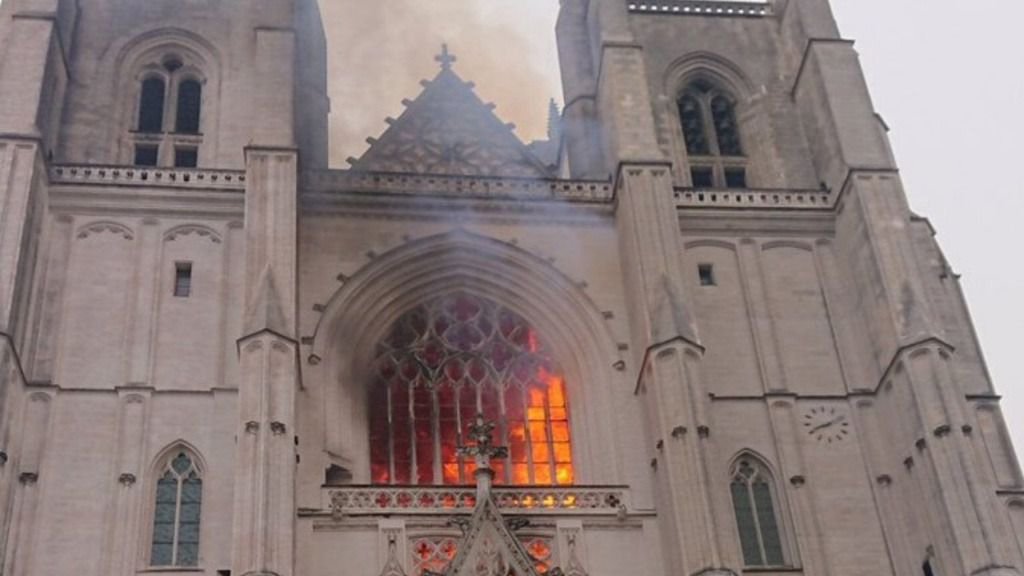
137, 176
575, 500
703, 8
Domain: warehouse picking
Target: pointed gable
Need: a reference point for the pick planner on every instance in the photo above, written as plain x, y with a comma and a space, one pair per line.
489, 547
448, 130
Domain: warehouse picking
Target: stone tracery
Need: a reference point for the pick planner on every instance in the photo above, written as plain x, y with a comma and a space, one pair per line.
448, 360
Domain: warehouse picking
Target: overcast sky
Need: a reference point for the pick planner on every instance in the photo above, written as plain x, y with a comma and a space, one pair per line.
945, 75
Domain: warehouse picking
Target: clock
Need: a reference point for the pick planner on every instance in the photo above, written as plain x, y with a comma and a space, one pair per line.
826, 424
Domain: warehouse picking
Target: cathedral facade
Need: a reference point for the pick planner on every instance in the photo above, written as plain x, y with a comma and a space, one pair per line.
696, 331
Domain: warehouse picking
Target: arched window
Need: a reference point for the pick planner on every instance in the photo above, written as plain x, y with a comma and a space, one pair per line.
712, 136
176, 513
754, 503
168, 129
190, 97
151, 105
444, 362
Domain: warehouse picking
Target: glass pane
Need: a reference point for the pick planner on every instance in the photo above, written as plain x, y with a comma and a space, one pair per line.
692, 118
181, 464
147, 155
188, 555
190, 96
746, 524
702, 177
724, 115
151, 105
735, 178
769, 525
161, 554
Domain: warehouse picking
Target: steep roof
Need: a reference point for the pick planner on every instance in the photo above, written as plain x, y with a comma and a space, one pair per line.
448, 130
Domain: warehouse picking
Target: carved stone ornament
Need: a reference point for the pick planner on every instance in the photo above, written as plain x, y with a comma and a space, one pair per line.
28, 478
392, 566
252, 427
127, 479
278, 428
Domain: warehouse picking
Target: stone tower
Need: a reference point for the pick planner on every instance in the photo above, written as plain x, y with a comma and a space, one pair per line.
700, 324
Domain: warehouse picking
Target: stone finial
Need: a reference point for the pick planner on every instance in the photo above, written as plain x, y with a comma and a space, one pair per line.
445, 58
481, 431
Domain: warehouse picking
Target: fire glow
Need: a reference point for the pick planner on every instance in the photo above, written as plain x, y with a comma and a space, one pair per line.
442, 364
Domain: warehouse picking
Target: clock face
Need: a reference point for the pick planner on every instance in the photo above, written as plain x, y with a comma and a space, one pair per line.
826, 424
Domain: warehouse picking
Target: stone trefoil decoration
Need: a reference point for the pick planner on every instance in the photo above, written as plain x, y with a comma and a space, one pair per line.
488, 546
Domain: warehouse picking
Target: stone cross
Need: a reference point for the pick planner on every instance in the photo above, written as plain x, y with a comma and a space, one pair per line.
445, 58
483, 452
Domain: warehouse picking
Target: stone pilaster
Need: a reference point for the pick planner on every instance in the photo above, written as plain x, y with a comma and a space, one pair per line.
263, 538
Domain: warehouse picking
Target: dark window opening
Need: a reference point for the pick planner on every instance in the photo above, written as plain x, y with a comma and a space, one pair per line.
692, 117
146, 155
724, 115
186, 157
707, 274
735, 177
151, 105
183, 279
190, 96
927, 568
703, 177
223, 572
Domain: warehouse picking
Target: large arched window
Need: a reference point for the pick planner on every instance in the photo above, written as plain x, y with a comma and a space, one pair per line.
449, 359
712, 136
754, 503
176, 512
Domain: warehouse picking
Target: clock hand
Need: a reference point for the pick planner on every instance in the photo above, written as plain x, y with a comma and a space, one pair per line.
827, 424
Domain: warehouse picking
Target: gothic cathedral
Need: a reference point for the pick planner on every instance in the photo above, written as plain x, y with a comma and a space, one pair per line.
695, 331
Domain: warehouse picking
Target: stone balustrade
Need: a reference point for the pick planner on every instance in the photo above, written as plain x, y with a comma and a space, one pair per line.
480, 187
140, 176
749, 198
540, 500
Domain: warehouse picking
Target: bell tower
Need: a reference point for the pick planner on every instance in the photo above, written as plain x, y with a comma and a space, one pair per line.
709, 117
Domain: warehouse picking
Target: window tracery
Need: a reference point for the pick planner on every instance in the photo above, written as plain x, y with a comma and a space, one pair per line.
444, 362
177, 512
754, 504
167, 128
711, 133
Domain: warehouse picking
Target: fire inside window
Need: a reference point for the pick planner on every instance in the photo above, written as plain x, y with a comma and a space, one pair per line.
448, 360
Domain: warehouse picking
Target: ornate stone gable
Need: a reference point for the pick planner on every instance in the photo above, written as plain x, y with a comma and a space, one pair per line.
449, 130
489, 548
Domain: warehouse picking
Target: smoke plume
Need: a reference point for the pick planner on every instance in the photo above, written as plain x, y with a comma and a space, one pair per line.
379, 50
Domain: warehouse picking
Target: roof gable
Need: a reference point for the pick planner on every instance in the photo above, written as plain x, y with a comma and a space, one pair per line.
448, 130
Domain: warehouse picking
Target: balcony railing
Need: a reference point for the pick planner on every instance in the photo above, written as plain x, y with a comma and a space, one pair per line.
744, 198
374, 500
140, 176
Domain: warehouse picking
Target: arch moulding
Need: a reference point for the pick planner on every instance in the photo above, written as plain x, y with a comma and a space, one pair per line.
363, 309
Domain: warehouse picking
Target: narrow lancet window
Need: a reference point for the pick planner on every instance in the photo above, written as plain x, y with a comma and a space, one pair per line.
753, 502
448, 360
176, 514
692, 117
190, 97
151, 105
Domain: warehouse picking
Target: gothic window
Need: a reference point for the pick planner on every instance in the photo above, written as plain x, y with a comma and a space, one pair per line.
176, 513
753, 499
712, 136
444, 362
169, 115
